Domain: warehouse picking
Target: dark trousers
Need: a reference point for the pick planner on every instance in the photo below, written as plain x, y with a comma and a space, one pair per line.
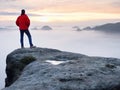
22, 37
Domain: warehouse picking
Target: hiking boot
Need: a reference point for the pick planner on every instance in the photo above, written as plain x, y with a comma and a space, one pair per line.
22, 47
32, 46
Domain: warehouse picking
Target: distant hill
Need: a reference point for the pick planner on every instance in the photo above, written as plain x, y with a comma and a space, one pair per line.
77, 28
109, 27
87, 28
46, 28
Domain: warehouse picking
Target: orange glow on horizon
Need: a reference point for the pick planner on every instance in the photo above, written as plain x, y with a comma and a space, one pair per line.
63, 17
73, 17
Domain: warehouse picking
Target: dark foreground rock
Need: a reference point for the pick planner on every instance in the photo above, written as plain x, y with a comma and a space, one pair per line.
30, 69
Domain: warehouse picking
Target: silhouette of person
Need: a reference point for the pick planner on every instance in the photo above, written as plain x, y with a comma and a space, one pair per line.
23, 22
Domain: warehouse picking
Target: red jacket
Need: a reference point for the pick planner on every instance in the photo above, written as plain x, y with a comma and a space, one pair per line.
23, 22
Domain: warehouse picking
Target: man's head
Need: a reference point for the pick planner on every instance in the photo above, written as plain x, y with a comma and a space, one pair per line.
22, 12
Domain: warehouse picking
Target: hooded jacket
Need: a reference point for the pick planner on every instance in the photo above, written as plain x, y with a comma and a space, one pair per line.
23, 22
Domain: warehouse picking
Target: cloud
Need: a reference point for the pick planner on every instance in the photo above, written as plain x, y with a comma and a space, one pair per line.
61, 6
8, 13
116, 4
16, 14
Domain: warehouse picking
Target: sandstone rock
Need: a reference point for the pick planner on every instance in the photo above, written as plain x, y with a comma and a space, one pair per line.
76, 72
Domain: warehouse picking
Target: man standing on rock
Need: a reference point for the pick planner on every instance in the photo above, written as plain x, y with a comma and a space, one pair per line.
23, 22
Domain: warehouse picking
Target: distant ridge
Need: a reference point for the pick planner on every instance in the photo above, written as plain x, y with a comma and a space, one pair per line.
109, 27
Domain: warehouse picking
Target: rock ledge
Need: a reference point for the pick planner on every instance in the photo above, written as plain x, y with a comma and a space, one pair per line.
28, 69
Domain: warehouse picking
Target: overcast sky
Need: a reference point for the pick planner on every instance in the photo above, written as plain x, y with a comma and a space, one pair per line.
60, 7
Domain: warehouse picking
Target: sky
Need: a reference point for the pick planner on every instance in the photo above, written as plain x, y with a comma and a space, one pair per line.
61, 10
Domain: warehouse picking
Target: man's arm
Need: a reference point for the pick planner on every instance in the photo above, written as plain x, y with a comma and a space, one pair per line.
17, 21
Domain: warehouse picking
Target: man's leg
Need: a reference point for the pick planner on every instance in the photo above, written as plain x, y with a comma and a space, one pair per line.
29, 37
21, 38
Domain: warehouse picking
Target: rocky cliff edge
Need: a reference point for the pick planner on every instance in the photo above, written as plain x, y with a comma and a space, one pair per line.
51, 69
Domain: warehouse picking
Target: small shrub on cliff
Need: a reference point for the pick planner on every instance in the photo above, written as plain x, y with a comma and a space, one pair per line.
27, 59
